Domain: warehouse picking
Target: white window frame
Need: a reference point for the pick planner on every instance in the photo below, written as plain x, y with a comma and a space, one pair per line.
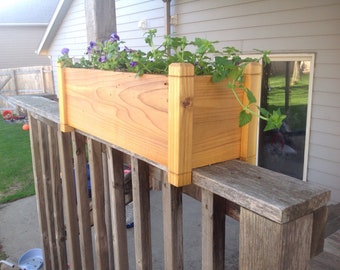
297, 57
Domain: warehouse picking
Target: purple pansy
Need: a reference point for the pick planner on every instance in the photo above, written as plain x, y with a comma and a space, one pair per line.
114, 37
102, 59
91, 47
133, 64
65, 51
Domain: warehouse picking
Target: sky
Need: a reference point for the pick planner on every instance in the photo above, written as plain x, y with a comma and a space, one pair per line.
26, 11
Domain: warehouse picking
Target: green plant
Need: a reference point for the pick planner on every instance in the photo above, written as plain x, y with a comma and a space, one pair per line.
228, 64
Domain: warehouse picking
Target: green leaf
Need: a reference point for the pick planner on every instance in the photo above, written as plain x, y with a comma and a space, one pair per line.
264, 112
250, 96
244, 118
275, 120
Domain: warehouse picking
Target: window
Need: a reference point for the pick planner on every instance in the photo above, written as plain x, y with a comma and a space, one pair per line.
287, 84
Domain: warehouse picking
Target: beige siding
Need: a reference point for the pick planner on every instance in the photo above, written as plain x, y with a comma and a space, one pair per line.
18, 45
130, 12
306, 26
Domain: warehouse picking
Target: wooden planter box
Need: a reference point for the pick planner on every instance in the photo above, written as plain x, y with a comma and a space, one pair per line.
180, 121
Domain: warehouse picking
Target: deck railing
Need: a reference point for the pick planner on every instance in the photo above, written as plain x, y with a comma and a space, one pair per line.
281, 219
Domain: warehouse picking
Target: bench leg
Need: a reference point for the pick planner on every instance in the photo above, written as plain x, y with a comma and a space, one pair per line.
319, 225
265, 244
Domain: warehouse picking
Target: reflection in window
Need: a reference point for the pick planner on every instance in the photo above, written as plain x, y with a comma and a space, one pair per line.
285, 85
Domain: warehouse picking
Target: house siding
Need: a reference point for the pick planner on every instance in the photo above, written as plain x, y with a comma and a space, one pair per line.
18, 45
305, 26
71, 34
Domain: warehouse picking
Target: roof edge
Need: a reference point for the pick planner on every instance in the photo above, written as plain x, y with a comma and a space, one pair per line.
53, 26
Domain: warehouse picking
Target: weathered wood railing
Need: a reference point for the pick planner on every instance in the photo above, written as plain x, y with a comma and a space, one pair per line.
281, 219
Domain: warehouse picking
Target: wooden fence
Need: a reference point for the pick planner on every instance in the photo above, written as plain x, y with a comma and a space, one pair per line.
26, 80
281, 219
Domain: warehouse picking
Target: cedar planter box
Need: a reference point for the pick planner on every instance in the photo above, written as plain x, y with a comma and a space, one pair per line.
179, 121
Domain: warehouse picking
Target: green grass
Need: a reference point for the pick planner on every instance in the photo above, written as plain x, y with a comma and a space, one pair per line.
16, 174
297, 103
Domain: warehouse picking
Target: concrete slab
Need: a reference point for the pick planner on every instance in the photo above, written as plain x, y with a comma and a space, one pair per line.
19, 232
19, 228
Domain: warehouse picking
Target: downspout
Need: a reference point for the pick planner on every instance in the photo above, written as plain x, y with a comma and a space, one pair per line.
167, 26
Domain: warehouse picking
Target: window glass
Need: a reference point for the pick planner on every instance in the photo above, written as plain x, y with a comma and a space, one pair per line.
286, 85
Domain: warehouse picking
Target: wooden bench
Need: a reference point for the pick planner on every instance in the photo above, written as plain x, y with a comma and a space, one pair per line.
282, 219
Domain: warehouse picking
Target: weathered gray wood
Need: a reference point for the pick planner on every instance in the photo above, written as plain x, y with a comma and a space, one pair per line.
141, 210
318, 234
116, 177
172, 226
57, 198
44, 107
108, 220
39, 189
275, 196
100, 19
265, 244
98, 200
47, 184
213, 231
83, 208
71, 217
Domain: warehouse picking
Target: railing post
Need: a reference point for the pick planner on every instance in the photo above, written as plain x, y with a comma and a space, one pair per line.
69, 195
39, 188
249, 132
180, 123
57, 197
116, 179
98, 199
141, 210
172, 226
265, 244
213, 231
83, 208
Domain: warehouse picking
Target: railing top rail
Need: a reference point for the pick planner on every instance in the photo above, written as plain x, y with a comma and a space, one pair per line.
40, 105
278, 197
275, 196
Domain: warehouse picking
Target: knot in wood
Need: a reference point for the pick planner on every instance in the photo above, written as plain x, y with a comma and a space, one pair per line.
187, 102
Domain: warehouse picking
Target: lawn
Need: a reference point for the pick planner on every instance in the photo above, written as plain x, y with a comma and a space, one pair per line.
297, 103
16, 175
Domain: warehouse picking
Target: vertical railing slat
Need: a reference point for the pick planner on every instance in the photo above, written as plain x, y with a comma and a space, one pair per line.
172, 226
116, 177
39, 188
108, 220
71, 217
57, 198
98, 206
213, 231
83, 207
47, 185
141, 210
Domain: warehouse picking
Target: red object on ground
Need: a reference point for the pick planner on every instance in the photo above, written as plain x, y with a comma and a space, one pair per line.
26, 127
7, 115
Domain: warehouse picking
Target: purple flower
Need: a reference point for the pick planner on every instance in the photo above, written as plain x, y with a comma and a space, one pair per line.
102, 59
92, 44
133, 64
114, 37
91, 47
65, 51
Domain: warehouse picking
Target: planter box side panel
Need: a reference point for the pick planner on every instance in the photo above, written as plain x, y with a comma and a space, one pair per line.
216, 134
121, 109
